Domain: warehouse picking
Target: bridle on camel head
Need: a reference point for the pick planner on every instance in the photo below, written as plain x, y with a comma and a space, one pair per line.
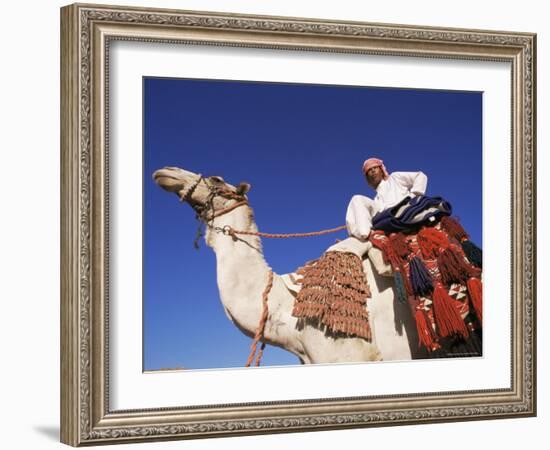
206, 213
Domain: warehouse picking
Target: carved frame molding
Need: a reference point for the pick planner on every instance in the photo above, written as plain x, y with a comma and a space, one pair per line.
86, 32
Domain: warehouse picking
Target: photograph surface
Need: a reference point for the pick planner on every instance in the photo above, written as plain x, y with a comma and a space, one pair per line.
326, 223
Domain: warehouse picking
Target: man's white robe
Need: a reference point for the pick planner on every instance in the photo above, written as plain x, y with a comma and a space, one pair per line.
396, 187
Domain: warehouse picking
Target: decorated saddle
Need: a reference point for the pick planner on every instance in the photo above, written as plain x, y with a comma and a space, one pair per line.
436, 270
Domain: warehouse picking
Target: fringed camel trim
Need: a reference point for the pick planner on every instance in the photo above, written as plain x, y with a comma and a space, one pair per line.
335, 291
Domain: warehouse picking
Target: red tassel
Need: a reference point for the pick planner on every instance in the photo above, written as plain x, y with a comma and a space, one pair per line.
426, 335
447, 318
431, 242
454, 229
395, 261
475, 289
453, 267
399, 245
383, 244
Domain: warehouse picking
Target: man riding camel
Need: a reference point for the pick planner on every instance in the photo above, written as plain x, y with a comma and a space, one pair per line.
390, 189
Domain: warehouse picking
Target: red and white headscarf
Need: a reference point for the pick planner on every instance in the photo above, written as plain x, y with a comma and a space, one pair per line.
375, 162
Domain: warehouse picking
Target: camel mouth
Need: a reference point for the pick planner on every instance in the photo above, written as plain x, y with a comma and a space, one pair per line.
168, 180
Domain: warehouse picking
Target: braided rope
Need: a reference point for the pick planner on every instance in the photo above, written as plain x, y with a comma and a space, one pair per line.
261, 326
241, 201
228, 230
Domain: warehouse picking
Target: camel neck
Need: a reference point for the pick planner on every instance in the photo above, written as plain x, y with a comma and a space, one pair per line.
245, 249
242, 271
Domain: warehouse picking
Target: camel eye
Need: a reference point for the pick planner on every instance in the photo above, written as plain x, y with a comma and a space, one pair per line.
216, 179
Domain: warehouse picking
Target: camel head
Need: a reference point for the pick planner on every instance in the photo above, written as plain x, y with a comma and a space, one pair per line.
202, 193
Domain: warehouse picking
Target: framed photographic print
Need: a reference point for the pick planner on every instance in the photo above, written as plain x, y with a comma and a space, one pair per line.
277, 224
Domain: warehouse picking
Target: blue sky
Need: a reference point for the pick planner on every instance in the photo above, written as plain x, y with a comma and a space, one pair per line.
301, 147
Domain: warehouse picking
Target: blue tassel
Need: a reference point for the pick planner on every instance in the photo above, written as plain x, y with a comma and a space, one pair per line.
421, 280
400, 287
473, 253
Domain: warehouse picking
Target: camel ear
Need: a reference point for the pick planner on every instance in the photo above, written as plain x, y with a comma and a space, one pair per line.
243, 188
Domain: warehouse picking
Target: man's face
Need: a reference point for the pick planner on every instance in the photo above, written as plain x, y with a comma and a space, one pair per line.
374, 176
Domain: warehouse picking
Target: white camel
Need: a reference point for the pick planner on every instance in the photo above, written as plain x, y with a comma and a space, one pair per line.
242, 275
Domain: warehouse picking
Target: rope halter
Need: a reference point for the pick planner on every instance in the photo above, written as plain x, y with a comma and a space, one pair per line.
206, 213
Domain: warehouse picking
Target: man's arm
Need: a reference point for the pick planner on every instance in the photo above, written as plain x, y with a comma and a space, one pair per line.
415, 182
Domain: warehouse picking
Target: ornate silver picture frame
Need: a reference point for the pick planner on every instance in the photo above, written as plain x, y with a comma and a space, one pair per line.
88, 33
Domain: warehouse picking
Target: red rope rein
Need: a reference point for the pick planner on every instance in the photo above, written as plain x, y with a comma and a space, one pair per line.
230, 231
261, 326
